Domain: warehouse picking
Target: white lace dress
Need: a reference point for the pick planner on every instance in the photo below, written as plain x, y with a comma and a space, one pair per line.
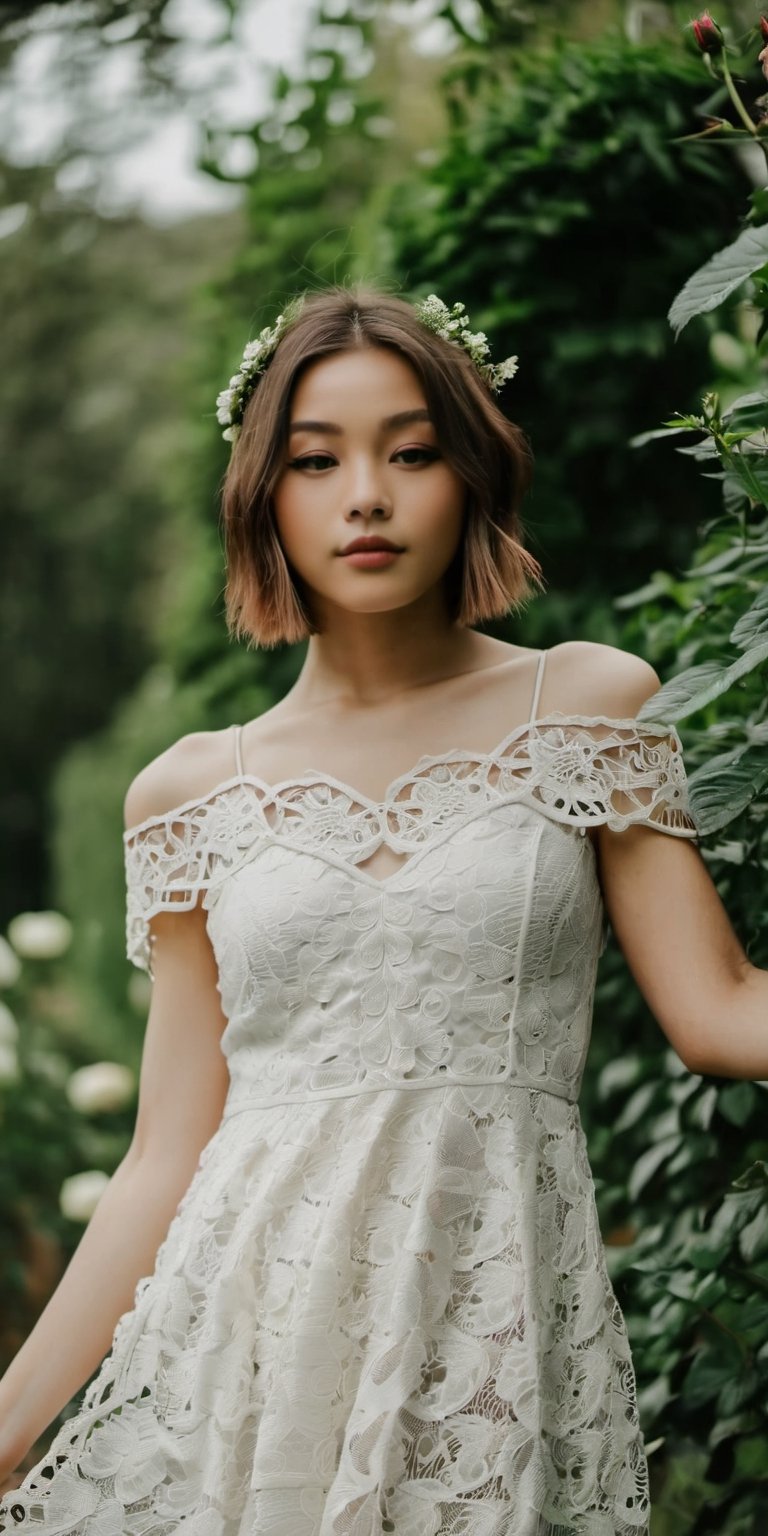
383, 1304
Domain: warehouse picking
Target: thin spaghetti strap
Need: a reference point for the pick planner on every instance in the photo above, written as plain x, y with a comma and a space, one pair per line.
238, 730
537, 686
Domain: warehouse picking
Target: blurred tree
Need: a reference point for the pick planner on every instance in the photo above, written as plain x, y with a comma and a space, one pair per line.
93, 325
105, 24
148, 17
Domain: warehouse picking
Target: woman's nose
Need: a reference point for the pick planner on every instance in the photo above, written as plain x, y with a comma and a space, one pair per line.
366, 491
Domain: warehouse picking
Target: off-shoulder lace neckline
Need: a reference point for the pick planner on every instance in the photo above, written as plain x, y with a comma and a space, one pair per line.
453, 755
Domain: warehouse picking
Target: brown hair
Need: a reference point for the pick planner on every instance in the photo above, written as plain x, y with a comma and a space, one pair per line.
491, 571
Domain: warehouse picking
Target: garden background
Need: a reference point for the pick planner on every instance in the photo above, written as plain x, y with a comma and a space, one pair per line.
542, 163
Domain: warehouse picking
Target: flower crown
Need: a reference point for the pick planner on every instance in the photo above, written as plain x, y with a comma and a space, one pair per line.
450, 324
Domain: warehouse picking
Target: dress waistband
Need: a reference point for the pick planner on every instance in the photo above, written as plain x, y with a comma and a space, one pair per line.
238, 1105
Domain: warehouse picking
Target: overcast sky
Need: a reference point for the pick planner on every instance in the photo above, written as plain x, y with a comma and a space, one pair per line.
150, 148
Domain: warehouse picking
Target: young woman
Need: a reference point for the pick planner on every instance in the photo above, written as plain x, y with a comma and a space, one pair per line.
349, 1275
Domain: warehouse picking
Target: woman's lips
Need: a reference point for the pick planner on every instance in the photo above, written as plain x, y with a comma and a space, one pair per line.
371, 557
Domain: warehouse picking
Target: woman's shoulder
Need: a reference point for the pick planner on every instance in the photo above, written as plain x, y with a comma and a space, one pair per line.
590, 678
183, 772
582, 677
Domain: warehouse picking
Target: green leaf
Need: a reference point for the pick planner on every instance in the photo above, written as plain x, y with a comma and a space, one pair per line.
660, 585
749, 411
736, 1101
759, 201
703, 1106
753, 1315
734, 493
705, 449
711, 1370
724, 271
725, 785
649, 1163
752, 1458
753, 1238
692, 425
738, 1390
619, 1073
727, 1429
697, 686
753, 623
635, 1107
753, 1177
719, 562
752, 470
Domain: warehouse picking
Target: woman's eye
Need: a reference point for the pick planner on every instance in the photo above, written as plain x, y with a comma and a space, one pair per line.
424, 453
318, 460
323, 461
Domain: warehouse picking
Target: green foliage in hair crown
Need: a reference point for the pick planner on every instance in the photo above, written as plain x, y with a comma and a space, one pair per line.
450, 324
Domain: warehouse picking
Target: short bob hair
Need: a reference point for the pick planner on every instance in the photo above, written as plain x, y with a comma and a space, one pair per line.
491, 571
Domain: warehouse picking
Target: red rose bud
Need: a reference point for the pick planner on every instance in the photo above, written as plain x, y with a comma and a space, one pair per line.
764, 28
708, 34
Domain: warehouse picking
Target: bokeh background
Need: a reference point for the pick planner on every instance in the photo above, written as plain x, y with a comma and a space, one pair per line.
172, 171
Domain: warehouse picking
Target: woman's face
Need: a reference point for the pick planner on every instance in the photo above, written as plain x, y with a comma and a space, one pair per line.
350, 473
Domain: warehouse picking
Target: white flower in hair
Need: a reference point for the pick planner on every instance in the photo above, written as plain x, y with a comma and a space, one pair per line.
231, 402
453, 325
450, 324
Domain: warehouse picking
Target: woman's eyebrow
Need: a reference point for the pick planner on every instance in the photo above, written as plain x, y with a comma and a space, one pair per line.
400, 419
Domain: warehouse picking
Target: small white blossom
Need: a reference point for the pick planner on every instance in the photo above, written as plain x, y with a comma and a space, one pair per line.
453, 325
106, 1085
506, 370
231, 403
80, 1194
40, 935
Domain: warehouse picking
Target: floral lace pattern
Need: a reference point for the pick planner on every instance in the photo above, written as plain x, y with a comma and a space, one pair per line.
578, 770
382, 1304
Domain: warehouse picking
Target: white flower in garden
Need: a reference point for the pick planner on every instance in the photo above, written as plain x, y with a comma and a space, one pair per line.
40, 935
104, 1086
10, 965
9, 1029
80, 1194
9, 1063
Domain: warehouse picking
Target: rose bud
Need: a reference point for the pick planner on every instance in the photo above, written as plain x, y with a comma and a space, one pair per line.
764, 28
707, 34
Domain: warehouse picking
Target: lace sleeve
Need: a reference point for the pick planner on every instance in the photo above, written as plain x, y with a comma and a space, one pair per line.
617, 772
167, 864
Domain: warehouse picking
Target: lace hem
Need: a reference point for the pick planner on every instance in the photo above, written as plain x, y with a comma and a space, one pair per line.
418, 1336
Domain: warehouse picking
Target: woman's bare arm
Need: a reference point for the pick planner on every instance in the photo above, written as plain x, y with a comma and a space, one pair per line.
182, 1090
75, 1330
673, 928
